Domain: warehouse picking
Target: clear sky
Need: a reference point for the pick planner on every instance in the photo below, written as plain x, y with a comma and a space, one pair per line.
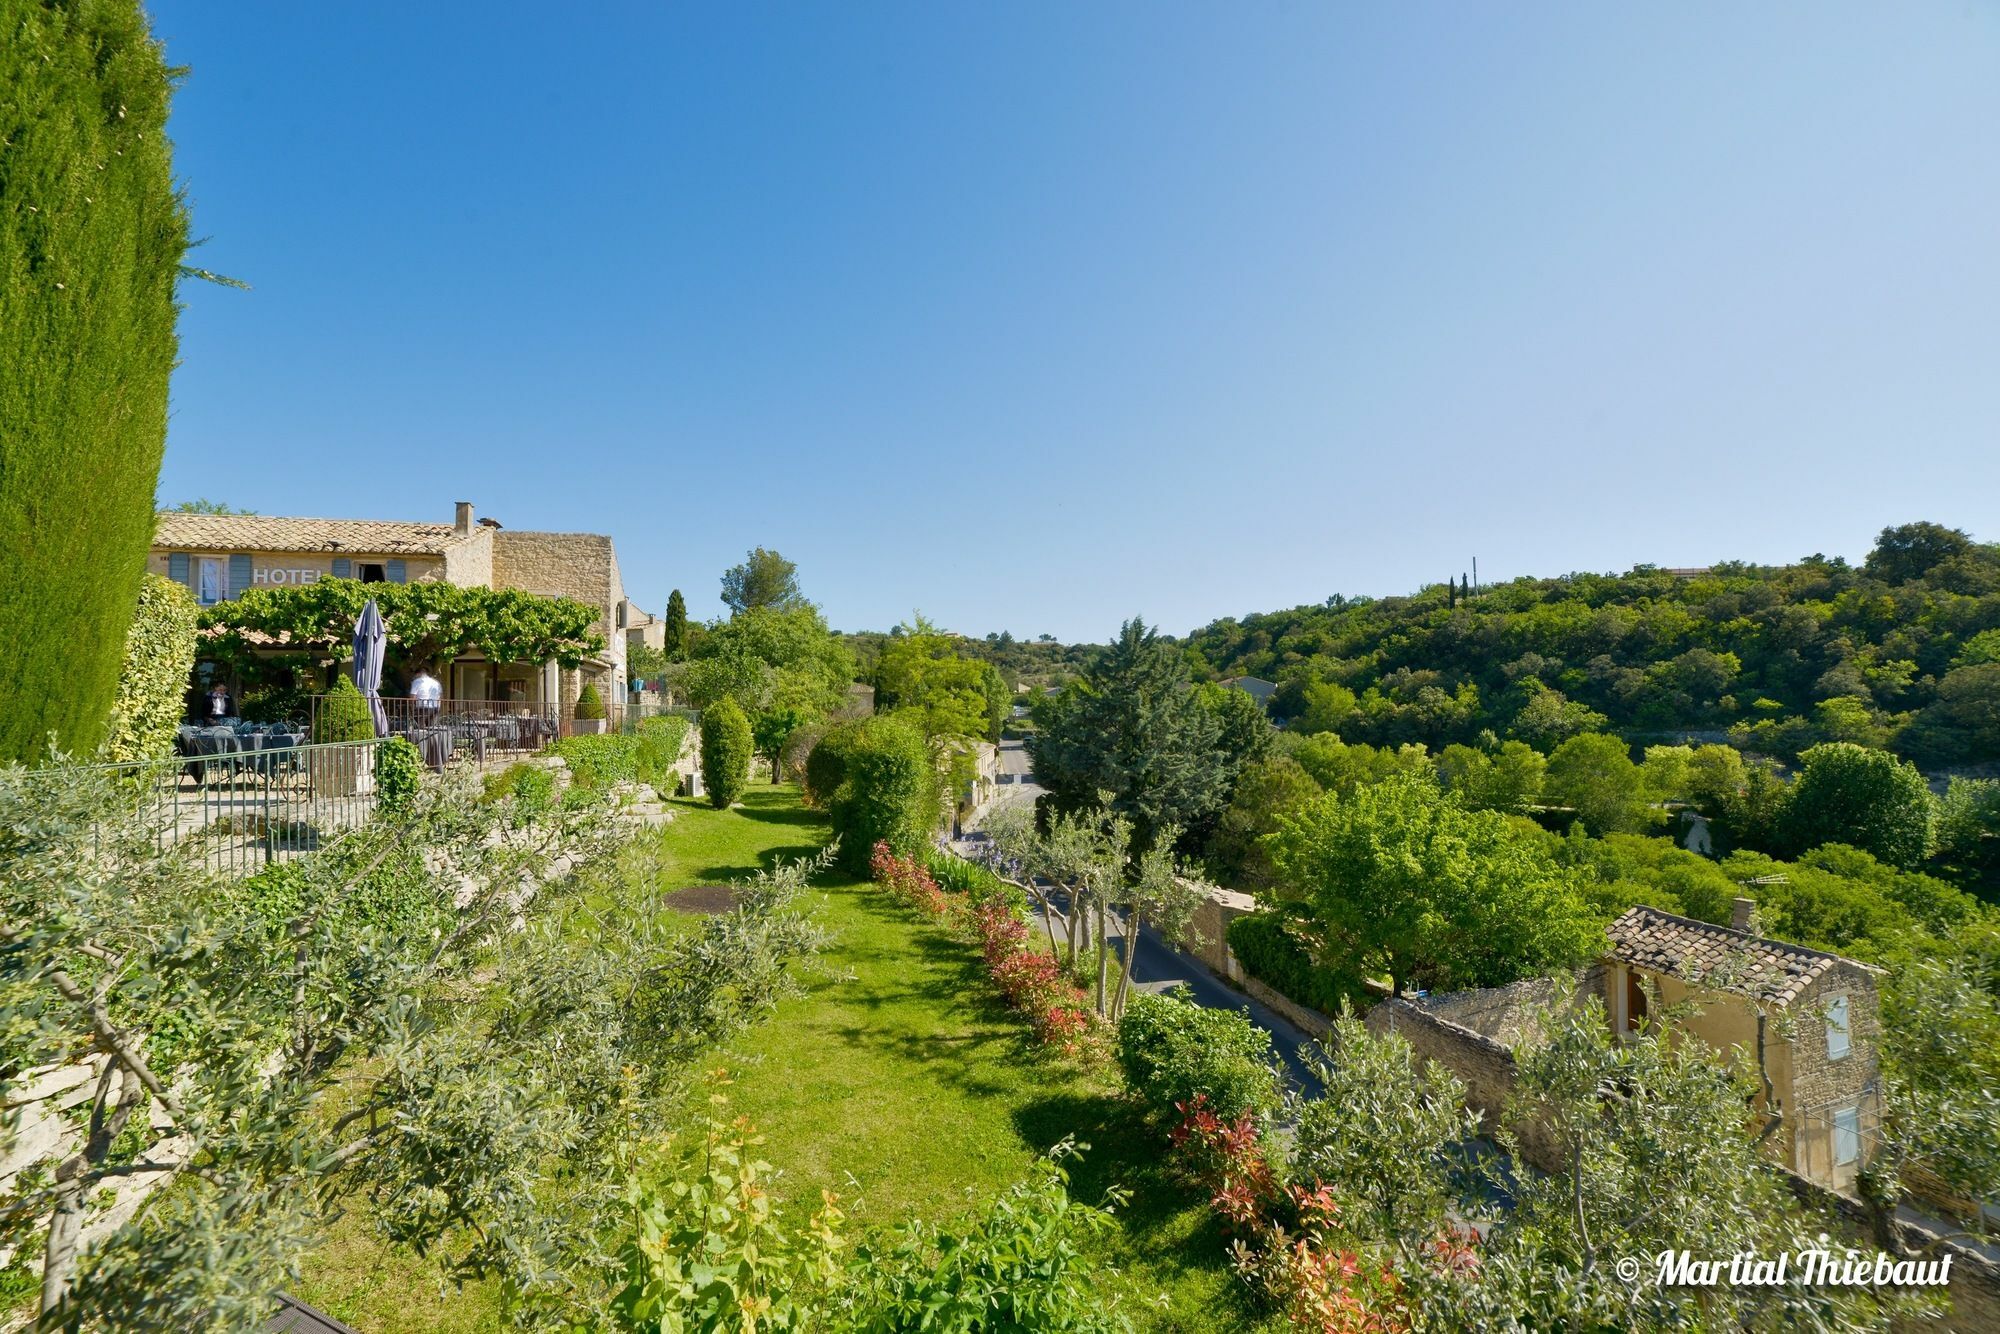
1037, 316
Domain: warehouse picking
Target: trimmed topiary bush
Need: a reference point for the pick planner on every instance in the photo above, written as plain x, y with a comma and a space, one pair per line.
343, 715
725, 755
826, 766
152, 686
398, 772
889, 792
589, 704
91, 240
1173, 1050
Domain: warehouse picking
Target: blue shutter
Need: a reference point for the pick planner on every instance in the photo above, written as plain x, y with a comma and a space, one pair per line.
395, 572
177, 567
343, 568
239, 576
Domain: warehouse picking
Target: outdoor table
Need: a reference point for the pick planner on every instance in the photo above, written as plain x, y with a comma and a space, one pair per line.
270, 748
434, 743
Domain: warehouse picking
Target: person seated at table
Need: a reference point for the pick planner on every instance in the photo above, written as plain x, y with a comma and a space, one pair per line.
426, 693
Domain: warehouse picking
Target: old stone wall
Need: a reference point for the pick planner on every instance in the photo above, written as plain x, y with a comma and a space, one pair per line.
1211, 926
1483, 1064
469, 563
575, 565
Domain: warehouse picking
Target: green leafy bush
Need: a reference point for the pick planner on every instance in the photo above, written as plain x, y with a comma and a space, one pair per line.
152, 687
658, 754
889, 793
1172, 1050
1272, 954
956, 875
343, 715
589, 704
826, 766
398, 772
598, 760
91, 242
725, 754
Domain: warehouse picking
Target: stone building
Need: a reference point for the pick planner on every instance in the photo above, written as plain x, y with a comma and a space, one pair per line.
221, 556
1802, 1024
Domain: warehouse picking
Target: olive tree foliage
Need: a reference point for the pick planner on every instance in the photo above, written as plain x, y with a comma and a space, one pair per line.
1651, 1146
1940, 1083
92, 235
264, 1050
1085, 869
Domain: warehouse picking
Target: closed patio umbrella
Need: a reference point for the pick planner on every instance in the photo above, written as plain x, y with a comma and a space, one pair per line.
370, 639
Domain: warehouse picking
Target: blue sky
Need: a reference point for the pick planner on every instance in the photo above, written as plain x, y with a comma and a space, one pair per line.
1038, 316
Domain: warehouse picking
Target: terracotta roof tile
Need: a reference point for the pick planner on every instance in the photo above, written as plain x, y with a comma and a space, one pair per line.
1715, 956
258, 532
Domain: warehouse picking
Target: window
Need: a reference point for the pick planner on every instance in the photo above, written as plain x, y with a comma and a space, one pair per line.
1838, 1040
209, 587
1635, 1002
373, 574
1846, 1136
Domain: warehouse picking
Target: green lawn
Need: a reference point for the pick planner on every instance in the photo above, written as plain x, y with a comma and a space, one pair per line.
898, 1081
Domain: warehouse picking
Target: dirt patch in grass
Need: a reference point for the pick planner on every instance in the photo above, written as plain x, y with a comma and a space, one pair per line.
702, 899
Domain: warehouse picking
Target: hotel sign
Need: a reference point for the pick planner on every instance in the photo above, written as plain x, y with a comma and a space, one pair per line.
264, 575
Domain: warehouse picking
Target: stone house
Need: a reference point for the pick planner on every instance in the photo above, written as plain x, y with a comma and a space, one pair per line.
222, 556
1806, 1024
1802, 1023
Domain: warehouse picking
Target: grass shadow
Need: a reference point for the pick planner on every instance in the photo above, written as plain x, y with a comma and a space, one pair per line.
1164, 1218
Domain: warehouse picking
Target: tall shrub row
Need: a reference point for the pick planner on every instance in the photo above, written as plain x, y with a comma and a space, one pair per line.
92, 232
152, 684
886, 791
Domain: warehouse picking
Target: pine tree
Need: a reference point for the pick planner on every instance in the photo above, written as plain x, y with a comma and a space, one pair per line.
92, 233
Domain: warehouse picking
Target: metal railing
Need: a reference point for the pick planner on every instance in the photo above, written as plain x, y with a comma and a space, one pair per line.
239, 809
475, 726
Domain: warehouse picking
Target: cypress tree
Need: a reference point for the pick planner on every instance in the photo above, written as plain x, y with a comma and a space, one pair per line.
676, 632
92, 233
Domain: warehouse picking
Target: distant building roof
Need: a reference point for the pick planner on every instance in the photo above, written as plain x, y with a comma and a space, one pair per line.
259, 532
1686, 571
1254, 686
1715, 956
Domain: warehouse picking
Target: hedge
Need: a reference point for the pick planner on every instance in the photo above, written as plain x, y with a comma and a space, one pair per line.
1173, 1050
1271, 953
725, 754
91, 240
153, 683
649, 755
956, 875
889, 792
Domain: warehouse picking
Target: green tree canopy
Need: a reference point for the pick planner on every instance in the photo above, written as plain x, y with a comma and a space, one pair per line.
764, 579
1865, 798
923, 669
92, 234
771, 658
1594, 774
1134, 726
428, 623
1402, 880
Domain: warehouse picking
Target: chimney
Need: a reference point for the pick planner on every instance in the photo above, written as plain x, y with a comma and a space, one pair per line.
464, 523
1739, 915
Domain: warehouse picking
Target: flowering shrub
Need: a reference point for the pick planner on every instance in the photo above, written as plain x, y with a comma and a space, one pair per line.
1029, 979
